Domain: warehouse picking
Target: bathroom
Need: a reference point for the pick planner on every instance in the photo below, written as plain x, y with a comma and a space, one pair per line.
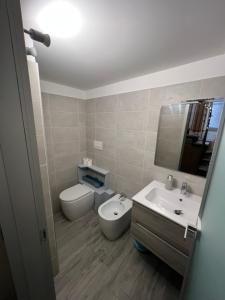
126, 151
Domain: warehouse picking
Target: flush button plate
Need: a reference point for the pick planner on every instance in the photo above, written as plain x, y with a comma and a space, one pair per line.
98, 145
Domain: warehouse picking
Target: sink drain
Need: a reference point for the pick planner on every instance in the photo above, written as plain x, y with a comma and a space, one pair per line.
115, 213
178, 211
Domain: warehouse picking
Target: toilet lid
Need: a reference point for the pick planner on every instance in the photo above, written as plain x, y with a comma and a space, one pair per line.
75, 192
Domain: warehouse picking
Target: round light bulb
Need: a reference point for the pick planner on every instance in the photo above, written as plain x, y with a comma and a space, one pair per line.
60, 19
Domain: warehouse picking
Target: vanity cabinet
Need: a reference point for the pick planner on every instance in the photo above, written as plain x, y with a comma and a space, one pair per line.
162, 237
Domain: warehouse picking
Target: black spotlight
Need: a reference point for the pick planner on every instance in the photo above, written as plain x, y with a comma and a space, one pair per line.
39, 36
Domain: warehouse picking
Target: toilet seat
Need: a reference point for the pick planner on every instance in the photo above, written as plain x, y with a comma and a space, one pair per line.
75, 193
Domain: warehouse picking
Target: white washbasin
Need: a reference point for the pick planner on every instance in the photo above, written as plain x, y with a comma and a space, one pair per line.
164, 202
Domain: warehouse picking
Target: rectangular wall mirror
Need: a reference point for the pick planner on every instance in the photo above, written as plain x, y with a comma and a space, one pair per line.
186, 135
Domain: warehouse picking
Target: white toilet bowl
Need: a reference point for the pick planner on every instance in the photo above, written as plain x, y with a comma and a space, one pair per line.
76, 201
115, 216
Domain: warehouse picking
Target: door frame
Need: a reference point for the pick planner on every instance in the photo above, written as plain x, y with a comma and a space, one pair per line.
205, 193
22, 214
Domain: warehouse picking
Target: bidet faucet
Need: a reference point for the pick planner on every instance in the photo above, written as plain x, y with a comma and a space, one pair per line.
122, 196
184, 188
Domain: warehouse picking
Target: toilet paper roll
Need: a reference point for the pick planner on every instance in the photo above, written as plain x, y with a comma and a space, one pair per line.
85, 161
89, 162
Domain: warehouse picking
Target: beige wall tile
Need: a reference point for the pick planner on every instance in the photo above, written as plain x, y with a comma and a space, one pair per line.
109, 151
153, 120
149, 157
106, 104
151, 138
105, 162
66, 148
90, 106
65, 162
132, 120
175, 93
131, 138
45, 101
83, 139
48, 134
65, 176
213, 87
90, 120
90, 147
107, 135
105, 120
132, 173
130, 155
90, 132
135, 101
124, 185
148, 176
63, 119
82, 118
183, 92
81, 106
65, 134
61, 103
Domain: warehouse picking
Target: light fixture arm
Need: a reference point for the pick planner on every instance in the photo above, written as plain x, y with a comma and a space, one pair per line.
39, 36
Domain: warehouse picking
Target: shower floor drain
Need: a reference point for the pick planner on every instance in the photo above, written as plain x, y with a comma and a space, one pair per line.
115, 213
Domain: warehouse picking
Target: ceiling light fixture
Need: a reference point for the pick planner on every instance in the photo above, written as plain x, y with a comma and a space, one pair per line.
60, 19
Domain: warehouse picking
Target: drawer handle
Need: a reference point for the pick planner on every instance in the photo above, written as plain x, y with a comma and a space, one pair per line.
190, 231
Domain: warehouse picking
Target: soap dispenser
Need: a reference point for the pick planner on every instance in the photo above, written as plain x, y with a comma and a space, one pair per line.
169, 182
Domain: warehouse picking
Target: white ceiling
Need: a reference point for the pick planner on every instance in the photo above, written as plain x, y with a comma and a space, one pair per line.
122, 39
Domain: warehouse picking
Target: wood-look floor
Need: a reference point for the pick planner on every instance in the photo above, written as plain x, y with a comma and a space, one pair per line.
93, 268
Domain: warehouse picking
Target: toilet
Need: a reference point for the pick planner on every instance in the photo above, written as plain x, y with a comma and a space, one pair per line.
115, 216
76, 201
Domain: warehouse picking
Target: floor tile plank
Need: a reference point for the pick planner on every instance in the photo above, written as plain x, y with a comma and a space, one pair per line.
94, 268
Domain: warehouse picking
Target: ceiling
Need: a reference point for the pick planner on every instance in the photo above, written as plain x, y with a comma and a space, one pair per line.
121, 39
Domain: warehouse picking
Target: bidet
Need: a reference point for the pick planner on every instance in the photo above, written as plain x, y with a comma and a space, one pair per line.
115, 216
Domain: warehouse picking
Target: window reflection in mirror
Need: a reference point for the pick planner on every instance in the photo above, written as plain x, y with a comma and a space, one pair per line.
186, 135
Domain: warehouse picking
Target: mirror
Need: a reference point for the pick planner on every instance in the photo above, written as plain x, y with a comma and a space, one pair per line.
186, 135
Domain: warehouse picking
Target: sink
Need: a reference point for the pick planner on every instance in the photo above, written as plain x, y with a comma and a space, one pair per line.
182, 209
161, 198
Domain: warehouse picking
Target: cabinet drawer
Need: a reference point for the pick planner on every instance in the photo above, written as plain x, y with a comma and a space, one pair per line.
171, 256
166, 229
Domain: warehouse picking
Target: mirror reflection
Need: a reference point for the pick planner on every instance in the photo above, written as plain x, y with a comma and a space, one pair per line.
186, 135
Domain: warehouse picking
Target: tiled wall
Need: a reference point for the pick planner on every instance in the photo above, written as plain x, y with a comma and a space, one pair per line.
66, 141
42, 153
127, 124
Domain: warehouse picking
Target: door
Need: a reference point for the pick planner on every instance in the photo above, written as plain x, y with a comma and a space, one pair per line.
22, 216
206, 279
7, 291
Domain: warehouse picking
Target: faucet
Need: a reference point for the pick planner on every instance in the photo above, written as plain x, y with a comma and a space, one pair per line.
122, 196
184, 188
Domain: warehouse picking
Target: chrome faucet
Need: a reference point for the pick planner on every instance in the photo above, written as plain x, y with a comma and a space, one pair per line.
122, 196
184, 188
